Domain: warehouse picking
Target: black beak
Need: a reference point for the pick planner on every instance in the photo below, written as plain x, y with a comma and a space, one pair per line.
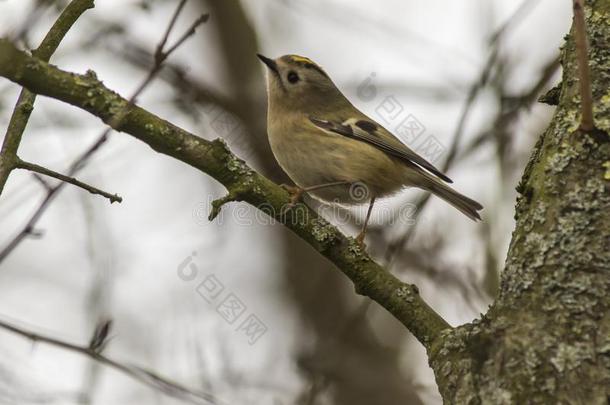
269, 62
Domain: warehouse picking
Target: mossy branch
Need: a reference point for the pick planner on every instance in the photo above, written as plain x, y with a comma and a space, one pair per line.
214, 158
25, 102
233, 195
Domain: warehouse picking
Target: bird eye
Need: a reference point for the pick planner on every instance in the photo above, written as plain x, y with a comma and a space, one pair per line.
292, 77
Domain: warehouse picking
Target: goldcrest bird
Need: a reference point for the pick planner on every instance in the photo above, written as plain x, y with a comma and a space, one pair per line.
334, 152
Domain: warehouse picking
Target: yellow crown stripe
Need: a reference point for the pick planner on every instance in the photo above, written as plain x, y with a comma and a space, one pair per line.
297, 58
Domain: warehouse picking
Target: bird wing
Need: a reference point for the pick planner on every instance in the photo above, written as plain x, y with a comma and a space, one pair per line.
372, 133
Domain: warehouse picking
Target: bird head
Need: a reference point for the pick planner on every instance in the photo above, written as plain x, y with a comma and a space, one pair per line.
297, 83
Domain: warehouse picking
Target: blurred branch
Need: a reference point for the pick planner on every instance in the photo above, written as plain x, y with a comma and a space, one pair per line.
42, 181
515, 105
214, 158
161, 54
25, 102
582, 57
483, 80
423, 258
47, 172
524, 8
150, 378
420, 204
187, 88
115, 120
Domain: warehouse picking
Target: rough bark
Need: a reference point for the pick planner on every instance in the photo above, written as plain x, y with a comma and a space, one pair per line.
546, 339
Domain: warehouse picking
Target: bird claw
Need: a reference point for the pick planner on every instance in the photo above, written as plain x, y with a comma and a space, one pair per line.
296, 194
360, 241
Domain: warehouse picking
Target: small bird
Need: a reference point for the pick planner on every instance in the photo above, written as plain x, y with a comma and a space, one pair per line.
334, 152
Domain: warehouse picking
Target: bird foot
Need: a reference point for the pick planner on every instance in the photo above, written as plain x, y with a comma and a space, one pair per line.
360, 240
296, 194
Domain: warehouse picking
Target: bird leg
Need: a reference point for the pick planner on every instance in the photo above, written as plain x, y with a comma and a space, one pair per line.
360, 237
296, 192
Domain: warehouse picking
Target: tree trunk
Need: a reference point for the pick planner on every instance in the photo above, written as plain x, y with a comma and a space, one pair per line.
546, 339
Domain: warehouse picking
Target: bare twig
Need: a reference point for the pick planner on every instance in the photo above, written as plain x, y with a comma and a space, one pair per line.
203, 18
582, 56
113, 123
168, 30
161, 55
150, 378
21, 164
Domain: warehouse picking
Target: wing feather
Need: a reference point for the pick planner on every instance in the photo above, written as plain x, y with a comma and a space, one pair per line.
368, 131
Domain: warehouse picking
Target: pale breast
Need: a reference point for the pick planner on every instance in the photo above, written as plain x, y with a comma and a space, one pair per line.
311, 157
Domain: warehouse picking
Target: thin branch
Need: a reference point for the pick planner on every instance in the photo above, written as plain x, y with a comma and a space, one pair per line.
161, 45
402, 300
161, 55
25, 102
28, 229
144, 376
114, 121
47, 172
582, 56
203, 18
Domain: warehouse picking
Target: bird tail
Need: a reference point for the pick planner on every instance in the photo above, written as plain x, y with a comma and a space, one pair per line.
467, 206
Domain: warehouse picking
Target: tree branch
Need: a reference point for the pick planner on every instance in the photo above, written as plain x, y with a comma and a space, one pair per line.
150, 378
25, 102
214, 158
47, 172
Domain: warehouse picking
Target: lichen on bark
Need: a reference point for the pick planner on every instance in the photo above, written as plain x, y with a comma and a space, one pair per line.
546, 339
